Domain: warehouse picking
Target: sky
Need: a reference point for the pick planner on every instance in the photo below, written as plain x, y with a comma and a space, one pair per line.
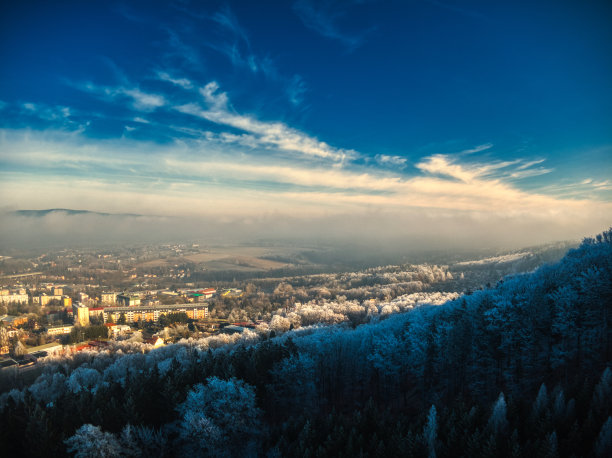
419, 120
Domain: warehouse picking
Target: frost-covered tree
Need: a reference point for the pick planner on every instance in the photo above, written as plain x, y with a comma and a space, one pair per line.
90, 441
221, 416
279, 324
541, 402
83, 378
602, 396
603, 447
498, 421
293, 384
142, 442
430, 432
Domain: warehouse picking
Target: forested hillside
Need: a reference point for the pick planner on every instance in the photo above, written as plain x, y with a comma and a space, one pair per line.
520, 369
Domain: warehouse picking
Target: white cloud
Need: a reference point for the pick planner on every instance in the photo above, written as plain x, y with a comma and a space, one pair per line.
182, 82
141, 101
526, 165
446, 184
274, 134
229, 173
527, 173
385, 159
477, 149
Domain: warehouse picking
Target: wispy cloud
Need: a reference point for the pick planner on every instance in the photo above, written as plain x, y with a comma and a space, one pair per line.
142, 100
448, 165
322, 19
47, 113
139, 100
385, 159
528, 173
296, 89
185, 55
477, 149
283, 137
444, 185
182, 82
448, 196
226, 18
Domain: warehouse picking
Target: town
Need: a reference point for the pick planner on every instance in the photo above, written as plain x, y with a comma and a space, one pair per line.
70, 300
64, 301
53, 318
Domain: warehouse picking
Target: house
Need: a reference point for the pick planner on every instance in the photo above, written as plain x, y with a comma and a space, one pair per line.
208, 292
9, 320
156, 341
117, 329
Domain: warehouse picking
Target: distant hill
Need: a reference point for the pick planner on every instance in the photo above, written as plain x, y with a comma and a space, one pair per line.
68, 211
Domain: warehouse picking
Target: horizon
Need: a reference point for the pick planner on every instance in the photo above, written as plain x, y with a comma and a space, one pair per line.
437, 124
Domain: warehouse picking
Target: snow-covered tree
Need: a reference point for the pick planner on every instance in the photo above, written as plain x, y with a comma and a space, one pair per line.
142, 442
223, 414
430, 432
90, 441
498, 421
603, 446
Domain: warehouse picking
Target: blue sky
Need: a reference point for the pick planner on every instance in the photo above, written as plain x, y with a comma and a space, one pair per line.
436, 110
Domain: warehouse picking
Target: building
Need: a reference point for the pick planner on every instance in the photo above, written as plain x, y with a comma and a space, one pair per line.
134, 314
117, 329
208, 292
44, 350
196, 297
59, 330
205, 293
232, 292
96, 312
156, 341
108, 298
9, 320
127, 300
80, 313
7, 296
45, 299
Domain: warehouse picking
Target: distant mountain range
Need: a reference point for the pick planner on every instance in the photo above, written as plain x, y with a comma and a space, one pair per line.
68, 211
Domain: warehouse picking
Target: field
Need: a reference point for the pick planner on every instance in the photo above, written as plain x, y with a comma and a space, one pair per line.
238, 258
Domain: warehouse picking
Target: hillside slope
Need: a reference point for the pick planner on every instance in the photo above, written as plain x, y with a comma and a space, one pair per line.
521, 369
